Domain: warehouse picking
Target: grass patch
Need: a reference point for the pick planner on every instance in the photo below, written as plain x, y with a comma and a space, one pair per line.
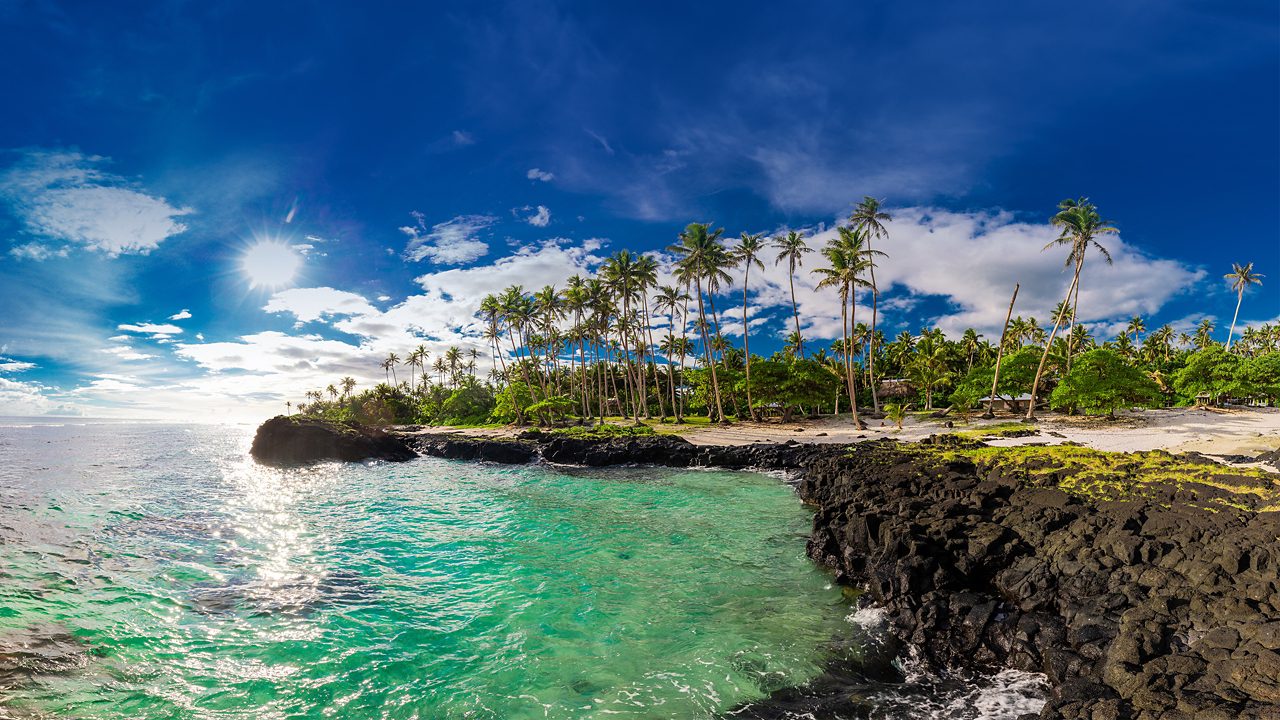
607, 431
1099, 475
1004, 430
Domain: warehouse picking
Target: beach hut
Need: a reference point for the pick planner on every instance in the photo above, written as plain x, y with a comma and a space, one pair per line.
1017, 404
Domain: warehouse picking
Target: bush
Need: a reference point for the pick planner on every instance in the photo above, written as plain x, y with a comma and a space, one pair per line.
468, 405
1100, 380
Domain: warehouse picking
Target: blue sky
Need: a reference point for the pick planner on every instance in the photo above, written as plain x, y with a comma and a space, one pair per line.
414, 159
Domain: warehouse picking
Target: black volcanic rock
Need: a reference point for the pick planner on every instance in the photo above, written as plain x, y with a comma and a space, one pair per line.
296, 440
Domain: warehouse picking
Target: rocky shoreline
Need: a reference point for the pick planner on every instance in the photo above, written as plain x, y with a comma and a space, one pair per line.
1163, 605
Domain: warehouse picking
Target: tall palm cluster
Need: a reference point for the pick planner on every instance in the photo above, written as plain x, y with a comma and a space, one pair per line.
626, 343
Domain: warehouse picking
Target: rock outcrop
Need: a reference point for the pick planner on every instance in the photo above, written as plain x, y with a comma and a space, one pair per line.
295, 440
1152, 608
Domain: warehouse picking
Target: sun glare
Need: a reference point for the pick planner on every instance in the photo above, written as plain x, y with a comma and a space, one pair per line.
270, 264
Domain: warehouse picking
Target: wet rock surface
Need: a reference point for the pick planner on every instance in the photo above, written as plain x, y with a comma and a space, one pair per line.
1148, 608
295, 440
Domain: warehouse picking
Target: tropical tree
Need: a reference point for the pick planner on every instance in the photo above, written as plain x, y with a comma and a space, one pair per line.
701, 262
847, 261
1080, 225
870, 217
389, 366
1241, 277
745, 254
792, 248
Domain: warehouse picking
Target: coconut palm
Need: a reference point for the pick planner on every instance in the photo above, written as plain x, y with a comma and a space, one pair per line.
1135, 328
1204, 334
1241, 277
1081, 226
389, 365
870, 217
792, 248
701, 262
672, 299
847, 260
747, 253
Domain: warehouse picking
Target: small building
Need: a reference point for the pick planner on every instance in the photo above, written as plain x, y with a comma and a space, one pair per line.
1015, 404
1204, 399
895, 389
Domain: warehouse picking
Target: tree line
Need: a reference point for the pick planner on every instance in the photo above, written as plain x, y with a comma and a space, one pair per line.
622, 344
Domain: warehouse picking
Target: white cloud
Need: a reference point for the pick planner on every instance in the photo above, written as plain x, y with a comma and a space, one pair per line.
181, 315
127, 353
151, 329
972, 260
462, 138
541, 175
11, 365
25, 399
65, 196
309, 304
539, 216
453, 242
37, 251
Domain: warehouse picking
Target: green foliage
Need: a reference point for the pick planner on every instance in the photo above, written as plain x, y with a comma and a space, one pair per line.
1215, 371
603, 432
791, 384
896, 413
554, 409
470, 404
1101, 381
1017, 371
514, 396
1263, 373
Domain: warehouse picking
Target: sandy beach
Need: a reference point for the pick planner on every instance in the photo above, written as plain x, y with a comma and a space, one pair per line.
1216, 432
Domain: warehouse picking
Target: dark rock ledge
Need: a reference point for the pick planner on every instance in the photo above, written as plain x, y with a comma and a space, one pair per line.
297, 440
1151, 608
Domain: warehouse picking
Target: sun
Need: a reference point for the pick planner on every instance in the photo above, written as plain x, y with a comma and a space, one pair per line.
270, 264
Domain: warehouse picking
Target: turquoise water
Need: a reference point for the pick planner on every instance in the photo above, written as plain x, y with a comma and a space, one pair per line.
153, 572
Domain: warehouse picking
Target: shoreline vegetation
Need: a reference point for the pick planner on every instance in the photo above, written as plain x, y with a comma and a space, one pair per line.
622, 346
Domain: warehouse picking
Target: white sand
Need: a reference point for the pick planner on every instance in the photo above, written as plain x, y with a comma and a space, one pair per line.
1237, 431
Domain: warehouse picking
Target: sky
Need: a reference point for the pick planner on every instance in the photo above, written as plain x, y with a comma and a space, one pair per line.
207, 209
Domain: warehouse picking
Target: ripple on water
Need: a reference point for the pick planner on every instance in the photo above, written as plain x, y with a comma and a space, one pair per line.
187, 582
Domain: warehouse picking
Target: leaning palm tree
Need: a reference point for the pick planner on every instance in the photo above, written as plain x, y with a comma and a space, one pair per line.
792, 248
700, 263
870, 217
747, 253
1081, 225
1241, 277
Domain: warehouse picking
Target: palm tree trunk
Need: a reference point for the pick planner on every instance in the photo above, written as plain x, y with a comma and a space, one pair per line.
871, 342
711, 363
991, 403
1035, 384
1232, 331
795, 309
657, 384
746, 342
853, 320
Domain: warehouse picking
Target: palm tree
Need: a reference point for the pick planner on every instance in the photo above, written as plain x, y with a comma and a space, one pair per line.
671, 299
1204, 334
1241, 277
389, 365
333, 392
1135, 327
970, 344
701, 261
348, 384
792, 248
1081, 225
848, 259
868, 215
747, 253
